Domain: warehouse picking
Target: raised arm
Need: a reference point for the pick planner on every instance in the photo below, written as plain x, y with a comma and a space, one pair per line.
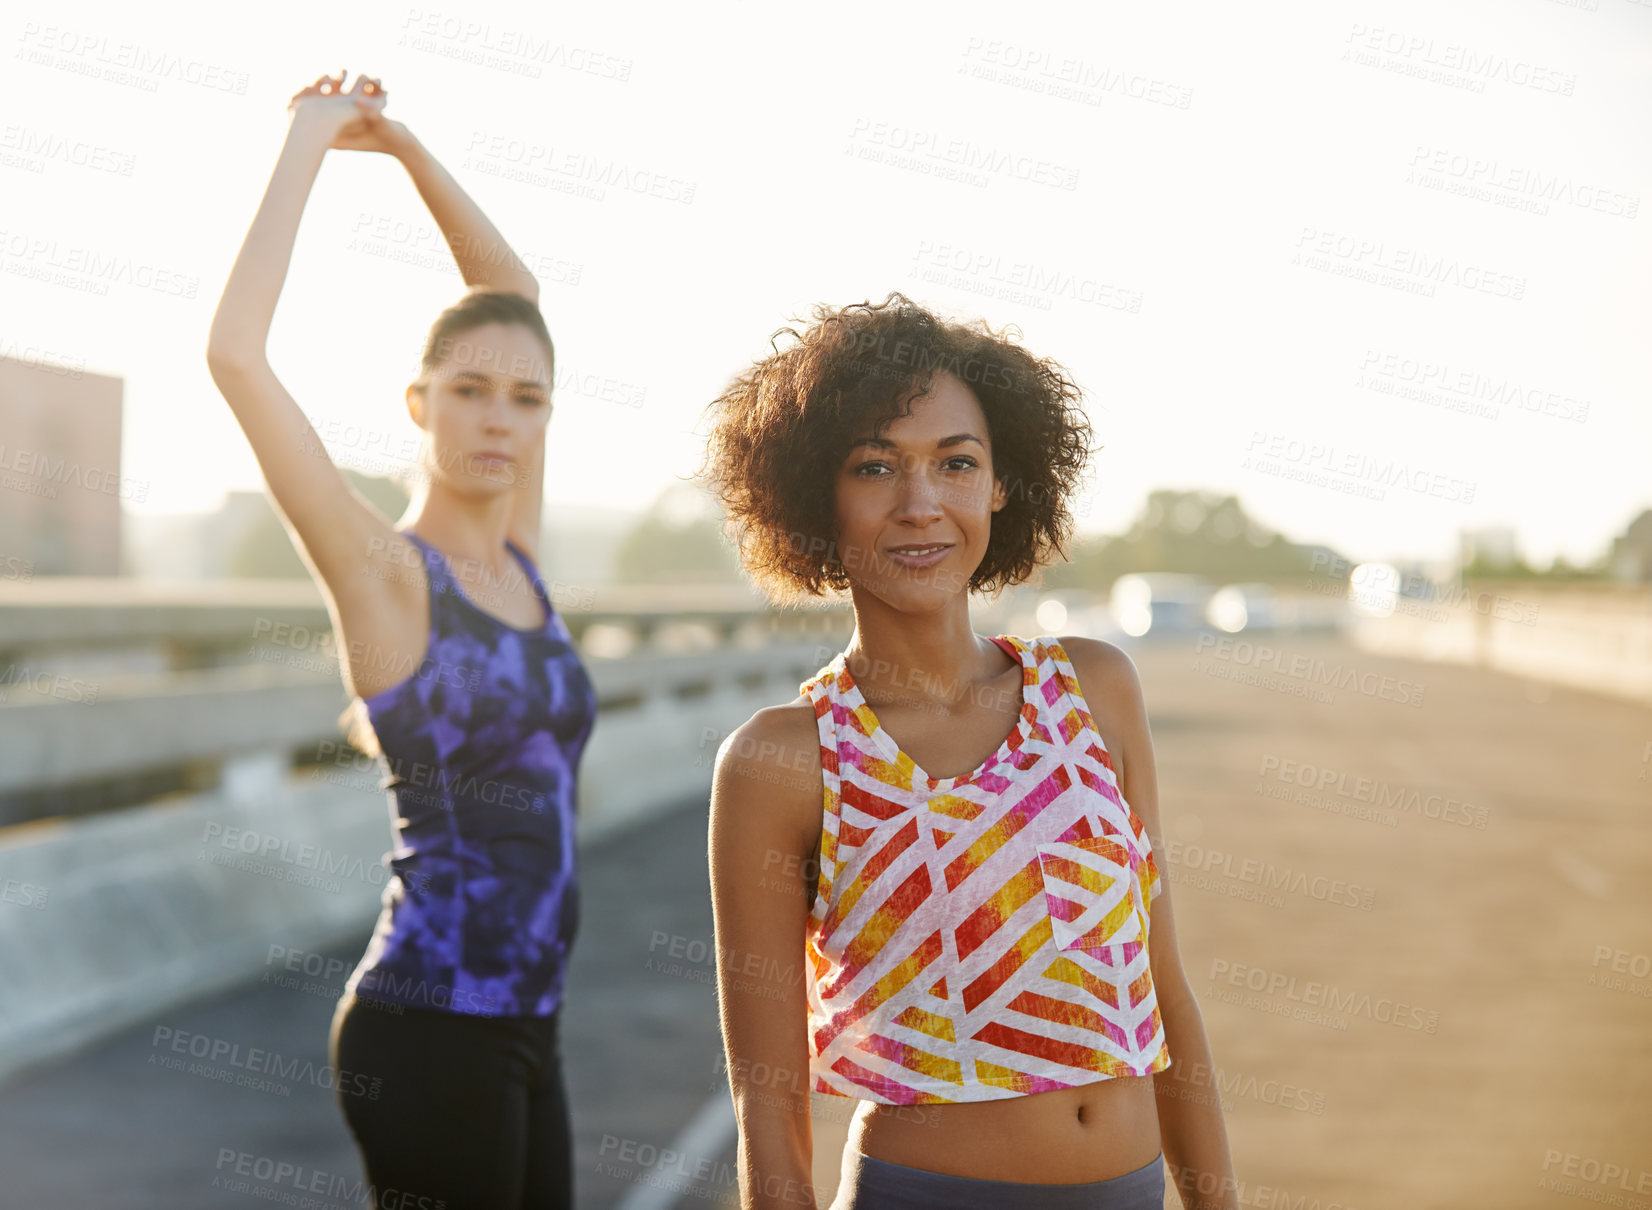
765, 819
339, 531
484, 258
528, 505
486, 261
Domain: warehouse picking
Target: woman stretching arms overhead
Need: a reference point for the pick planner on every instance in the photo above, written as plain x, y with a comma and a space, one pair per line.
466, 684
933, 873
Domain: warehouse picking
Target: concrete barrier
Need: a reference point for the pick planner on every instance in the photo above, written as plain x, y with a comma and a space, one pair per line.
128, 912
108, 919
1595, 639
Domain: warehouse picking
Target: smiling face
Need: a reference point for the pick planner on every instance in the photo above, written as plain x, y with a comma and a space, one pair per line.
483, 407
915, 503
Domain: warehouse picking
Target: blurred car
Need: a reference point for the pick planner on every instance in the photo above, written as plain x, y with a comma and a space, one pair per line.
1159, 603
1250, 606
1374, 589
1074, 611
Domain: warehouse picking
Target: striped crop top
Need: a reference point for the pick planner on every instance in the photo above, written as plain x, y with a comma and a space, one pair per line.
982, 936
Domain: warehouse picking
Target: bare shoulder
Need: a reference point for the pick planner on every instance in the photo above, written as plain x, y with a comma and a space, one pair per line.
774, 757
792, 720
766, 794
383, 612
384, 561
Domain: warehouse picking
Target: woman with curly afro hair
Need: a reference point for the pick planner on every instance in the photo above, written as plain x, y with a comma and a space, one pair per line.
933, 872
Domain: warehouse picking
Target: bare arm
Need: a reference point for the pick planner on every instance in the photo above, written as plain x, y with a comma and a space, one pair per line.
485, 261
527, 507
1192, 1132
241, 325
765, 819
484, 258
339, 531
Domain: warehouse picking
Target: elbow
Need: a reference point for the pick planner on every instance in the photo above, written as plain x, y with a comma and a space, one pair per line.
1176, 1000
229, 350
225, 361
223, 373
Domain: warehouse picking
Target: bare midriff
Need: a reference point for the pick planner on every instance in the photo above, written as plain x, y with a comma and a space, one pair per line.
1067, 1136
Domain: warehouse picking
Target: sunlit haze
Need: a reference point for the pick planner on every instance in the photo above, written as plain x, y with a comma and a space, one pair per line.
1380, 270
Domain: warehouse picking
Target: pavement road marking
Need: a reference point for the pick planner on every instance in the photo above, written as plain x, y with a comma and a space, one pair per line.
706, 1136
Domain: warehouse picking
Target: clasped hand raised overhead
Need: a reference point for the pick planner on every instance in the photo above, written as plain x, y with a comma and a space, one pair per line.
356, 114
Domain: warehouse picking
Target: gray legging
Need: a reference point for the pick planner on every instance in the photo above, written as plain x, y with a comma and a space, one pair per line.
873, 1184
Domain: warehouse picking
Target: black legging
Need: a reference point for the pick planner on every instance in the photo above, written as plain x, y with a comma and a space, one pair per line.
469, 1110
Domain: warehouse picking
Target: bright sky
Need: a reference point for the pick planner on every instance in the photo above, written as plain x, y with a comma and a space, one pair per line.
1394, 255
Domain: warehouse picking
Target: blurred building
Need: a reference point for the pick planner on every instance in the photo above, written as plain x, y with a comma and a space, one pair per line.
194, 546
1494, 546
1632, 551
60, 482
579, 544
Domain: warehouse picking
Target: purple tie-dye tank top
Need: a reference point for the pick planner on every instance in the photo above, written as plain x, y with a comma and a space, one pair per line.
481, 745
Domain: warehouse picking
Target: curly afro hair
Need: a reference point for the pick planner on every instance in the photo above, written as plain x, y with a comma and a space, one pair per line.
782, 429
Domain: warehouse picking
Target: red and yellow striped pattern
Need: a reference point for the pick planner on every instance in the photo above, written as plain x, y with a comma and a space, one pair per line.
985, 935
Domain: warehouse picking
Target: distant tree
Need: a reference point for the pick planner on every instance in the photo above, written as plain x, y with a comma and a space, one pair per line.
1515, 568
678, 541
1560, 569
1198, 532
1564, 569
267, 550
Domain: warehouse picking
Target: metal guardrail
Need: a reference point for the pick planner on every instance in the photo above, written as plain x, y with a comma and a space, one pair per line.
91, 611
118, 690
